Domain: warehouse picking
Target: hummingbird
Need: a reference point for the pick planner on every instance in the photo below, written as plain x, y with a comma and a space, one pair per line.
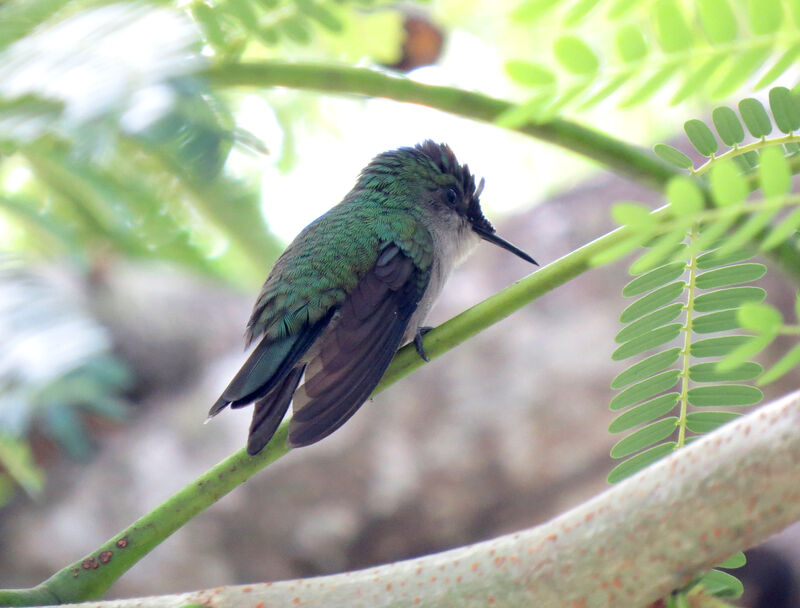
353, 287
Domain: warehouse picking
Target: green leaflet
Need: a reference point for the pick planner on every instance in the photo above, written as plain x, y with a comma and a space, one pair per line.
725, 395
644, 437
701, 137
716, 321
718, 20
722, 584
710, 372
652, 301
648, 340
755, 117
655, 278
732, 297
705, 422
730, 275
645, 412
728, 127
645, 389
718, 347
646, 323
640, 461
646, 368
673, 156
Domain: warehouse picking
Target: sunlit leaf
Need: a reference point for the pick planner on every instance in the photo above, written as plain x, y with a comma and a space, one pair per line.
631, 44
672, 31
785, 364
650, 86
698, 79
684, 197
718, 20
744, 66
530, 74
765, 17
575, 55
578, 12
728, 187
782, 231
774, 174
759, 317
786, 61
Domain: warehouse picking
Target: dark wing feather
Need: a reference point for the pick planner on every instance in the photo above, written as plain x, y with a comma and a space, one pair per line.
268, 365
356, 351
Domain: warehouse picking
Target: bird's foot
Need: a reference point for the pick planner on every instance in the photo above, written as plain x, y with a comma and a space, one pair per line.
418, 343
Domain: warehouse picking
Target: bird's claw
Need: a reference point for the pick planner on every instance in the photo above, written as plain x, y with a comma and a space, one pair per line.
418, 343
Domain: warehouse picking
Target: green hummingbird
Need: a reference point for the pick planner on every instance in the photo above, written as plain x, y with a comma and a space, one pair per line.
354, 286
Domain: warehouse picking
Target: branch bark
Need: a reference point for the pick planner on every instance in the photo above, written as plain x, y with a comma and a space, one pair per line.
629, 546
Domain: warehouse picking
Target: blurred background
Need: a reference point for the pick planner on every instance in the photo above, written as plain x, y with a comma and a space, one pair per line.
140, 210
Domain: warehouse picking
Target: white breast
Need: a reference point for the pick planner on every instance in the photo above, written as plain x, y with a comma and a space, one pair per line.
451, 246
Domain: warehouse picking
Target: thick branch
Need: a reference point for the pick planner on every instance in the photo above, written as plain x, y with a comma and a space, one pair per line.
628, 546
617, 155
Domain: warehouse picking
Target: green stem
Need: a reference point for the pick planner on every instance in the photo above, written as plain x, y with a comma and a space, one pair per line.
619, 156
91, 576
741, 150
687, 344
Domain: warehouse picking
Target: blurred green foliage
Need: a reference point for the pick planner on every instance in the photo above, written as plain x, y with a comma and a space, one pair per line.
113, 147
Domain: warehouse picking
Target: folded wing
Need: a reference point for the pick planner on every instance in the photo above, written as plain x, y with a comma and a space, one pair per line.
356, 349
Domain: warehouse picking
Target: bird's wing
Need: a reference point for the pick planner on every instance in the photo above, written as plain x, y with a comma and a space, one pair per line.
355, 352
268, 365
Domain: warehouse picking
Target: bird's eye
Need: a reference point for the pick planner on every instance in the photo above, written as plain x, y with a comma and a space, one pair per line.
452, 196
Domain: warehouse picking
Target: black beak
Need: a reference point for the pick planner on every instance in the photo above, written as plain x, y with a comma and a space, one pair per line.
488, 234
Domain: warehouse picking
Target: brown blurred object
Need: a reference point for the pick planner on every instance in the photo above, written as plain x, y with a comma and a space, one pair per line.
422, 45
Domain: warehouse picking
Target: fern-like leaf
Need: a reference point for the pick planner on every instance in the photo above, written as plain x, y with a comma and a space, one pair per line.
657, 45
669, 398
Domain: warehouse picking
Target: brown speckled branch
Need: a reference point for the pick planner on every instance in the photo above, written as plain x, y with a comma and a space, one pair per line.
627, 547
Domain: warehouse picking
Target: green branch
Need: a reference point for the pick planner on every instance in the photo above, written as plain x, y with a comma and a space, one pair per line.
91, 576
617, 155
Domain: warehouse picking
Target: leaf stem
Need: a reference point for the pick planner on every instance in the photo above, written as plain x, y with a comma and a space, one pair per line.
617, 155
687, 346
741, 150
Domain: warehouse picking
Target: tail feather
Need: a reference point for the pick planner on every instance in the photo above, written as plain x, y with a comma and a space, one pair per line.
268, 365
270, 410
